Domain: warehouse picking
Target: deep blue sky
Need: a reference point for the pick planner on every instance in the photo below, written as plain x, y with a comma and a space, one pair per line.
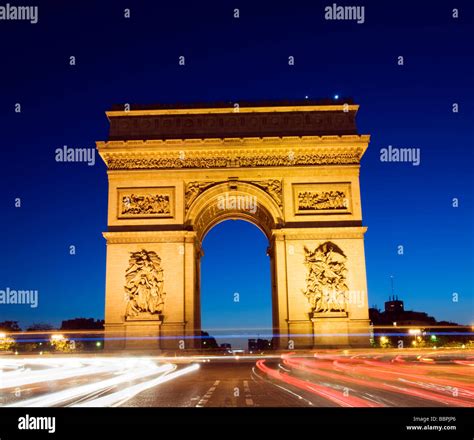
136, 60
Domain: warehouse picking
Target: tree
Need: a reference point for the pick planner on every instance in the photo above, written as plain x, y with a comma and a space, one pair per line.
9, 326
6, 343
40, 326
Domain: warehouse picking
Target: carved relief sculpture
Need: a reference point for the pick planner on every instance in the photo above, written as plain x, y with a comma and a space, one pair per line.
272, 187
326, 288
311, 200
223, 160
193, 189
144, 285
139, 204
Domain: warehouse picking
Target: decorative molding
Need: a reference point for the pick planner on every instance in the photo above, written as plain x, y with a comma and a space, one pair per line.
326, 288
273, 187
232, 109
145, 202
194, 189
233, 152
178, 237
327, 233
225, 159
208, 217
235, 142
144, 286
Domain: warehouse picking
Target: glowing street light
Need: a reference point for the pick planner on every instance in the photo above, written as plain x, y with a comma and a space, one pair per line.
414, 331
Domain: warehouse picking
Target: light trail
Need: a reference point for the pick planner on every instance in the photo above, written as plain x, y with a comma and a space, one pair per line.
427, 395
61, 397
334, 396
120, 397
28, 377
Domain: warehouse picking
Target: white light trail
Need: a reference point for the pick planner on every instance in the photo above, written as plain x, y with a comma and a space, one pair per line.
64, 396
120, 397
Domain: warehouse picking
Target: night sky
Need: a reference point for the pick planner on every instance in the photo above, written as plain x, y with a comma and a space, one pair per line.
135, 60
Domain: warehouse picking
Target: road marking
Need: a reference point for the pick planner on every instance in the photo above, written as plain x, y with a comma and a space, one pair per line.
279, 386
208, 395
248, 395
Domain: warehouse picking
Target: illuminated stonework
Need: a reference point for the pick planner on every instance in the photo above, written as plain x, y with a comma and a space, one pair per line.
170, 170
144, 286
314, 201
145, 204
272, 187
326, 288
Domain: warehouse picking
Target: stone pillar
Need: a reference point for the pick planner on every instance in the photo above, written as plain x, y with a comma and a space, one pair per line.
298, 324
175, 327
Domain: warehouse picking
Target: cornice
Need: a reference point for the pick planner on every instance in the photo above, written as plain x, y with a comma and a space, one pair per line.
231, 109
233, 152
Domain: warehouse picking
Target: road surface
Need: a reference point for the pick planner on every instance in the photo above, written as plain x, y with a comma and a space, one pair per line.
374, 378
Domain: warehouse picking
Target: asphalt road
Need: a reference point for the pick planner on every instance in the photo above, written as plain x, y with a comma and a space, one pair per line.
329, 379
229, 383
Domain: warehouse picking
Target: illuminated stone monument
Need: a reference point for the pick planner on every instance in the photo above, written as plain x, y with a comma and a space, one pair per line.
292, 169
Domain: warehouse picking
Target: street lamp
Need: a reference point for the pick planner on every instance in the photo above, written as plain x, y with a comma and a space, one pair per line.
414, 331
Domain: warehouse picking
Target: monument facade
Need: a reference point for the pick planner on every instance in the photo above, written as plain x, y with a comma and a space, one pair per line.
292, 169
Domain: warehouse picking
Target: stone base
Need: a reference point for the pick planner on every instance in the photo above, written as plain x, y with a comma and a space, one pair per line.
145, 317
149, 334
143, 334
334, 332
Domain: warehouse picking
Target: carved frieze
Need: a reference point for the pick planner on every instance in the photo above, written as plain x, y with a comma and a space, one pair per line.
326, 288
145, 202
317, 200
224, 160
144, 286
322, 198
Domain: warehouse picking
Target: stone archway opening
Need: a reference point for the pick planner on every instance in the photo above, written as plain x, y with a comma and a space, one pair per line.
236, 288
242, 201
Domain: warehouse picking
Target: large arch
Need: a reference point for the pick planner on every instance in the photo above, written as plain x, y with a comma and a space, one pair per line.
214, 205
174, 173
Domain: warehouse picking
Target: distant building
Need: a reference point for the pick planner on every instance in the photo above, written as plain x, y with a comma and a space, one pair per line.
259, 344
395, 314
208, 342
413, 328
394, 305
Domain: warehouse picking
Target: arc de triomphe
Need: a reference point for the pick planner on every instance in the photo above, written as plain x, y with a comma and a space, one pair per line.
292, 169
